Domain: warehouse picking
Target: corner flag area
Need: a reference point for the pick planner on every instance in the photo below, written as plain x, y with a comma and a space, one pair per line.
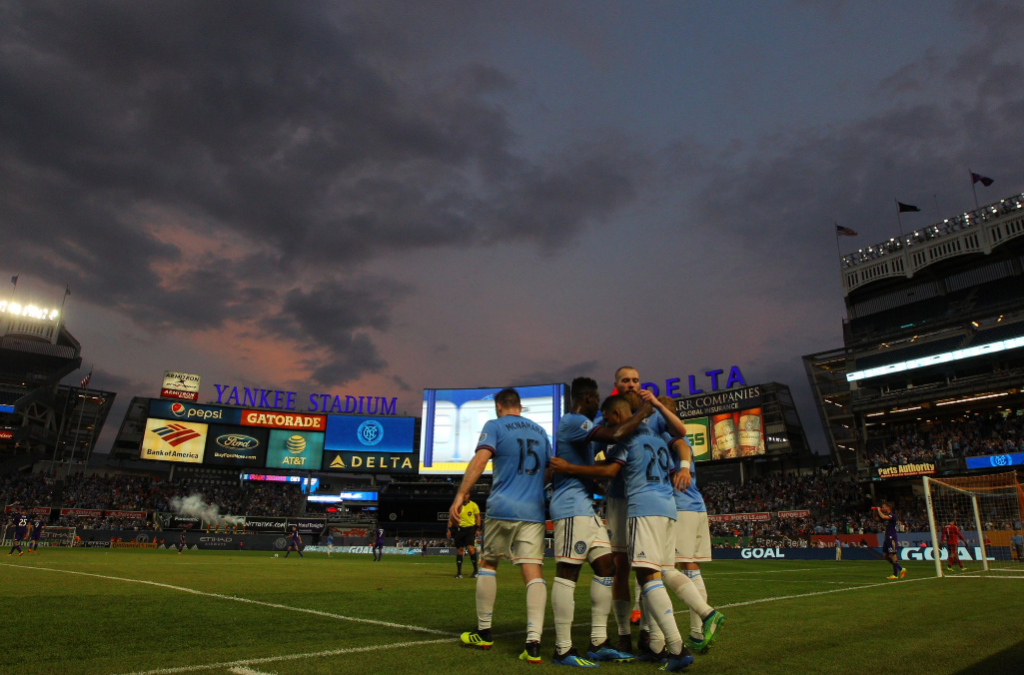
150, 612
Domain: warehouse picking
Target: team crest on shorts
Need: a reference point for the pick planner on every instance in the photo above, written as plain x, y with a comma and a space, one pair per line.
580, 548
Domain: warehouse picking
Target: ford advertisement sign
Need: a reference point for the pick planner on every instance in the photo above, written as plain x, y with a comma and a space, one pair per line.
243, 447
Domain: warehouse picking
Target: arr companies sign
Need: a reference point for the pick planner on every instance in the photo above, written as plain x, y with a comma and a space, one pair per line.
370, 462
719, 402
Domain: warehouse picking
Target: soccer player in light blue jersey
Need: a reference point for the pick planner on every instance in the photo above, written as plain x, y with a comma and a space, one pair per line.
580, 536
692, 545
514, 527
646, 466
627, 383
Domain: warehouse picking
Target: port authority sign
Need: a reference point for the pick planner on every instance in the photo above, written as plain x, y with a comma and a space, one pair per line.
370, 462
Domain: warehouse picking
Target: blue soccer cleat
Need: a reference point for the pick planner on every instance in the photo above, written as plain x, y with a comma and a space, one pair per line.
605, 652
678, 662
572, 658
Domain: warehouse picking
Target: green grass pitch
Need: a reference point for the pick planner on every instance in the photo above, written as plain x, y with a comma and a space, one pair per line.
316, 615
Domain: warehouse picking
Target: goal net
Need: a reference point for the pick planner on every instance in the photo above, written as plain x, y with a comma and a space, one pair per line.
58, 536
987, 512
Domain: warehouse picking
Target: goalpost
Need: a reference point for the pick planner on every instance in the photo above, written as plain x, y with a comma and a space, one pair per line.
59, 536
988, 511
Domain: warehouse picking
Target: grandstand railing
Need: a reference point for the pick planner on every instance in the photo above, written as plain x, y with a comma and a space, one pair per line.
977, 231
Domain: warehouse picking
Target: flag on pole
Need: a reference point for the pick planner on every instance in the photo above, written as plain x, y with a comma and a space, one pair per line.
14, 280
84, 384
904, 208
844, 231
67, 289
984, 180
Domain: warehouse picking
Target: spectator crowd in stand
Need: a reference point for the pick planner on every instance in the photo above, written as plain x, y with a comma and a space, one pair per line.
990, 434
27, 489
123, 492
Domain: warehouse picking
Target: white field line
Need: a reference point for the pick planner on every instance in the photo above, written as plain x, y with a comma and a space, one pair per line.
980, 576
775, 598
723, 574
242, 670
355, 650
233, 598
287, 657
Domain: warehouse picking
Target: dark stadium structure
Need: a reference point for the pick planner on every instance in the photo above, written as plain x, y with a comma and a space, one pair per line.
932, 365
39, 417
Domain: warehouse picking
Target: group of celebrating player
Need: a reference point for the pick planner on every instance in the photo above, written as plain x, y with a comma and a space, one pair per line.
656, 522
28, 532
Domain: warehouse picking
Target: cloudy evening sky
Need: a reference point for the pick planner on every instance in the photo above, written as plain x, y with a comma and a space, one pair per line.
377, 197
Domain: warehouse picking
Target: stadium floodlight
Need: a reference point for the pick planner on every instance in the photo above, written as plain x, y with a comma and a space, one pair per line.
28, 311
935, 359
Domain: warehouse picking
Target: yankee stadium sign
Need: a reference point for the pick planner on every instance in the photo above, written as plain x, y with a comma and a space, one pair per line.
277, 399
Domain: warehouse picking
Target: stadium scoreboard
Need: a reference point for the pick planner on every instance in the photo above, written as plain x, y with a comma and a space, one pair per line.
249, 439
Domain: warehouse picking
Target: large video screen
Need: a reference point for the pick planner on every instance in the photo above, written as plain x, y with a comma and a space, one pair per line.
379, 434
728, 435
453, 419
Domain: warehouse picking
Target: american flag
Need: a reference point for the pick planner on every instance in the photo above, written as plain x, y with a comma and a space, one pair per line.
84, 384
844, 231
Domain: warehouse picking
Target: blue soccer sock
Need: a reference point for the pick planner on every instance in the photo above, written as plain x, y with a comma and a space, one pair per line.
896, 568
288, 553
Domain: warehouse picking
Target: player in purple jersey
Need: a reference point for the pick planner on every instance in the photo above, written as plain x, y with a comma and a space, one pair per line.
378, 544
295, 543
21, 528
37, 531
891, 543
181, 543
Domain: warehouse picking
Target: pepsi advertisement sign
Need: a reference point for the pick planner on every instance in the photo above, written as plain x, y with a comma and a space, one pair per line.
996, 461
242, 447
383, 435
190, 412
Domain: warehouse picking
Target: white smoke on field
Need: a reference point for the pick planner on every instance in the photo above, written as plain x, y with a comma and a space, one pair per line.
195, 506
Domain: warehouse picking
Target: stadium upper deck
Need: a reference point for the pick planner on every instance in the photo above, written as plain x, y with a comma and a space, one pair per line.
934, 329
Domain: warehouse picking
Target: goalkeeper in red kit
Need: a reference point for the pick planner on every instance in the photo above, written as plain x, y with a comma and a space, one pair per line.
951, 538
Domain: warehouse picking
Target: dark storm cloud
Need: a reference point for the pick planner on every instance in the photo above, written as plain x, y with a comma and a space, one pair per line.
775, 209
331, 317
259, 123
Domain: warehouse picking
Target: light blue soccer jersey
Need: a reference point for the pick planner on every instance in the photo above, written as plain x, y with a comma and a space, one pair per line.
573, 496
656, 423
521, 451
647, 465
689, 499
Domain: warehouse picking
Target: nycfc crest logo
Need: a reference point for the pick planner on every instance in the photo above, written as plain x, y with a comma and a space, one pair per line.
580, 548
370, 432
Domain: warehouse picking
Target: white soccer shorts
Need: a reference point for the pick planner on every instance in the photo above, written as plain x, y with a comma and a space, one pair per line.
580, 539
617, 512
651, 542
513, 539
692, 537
